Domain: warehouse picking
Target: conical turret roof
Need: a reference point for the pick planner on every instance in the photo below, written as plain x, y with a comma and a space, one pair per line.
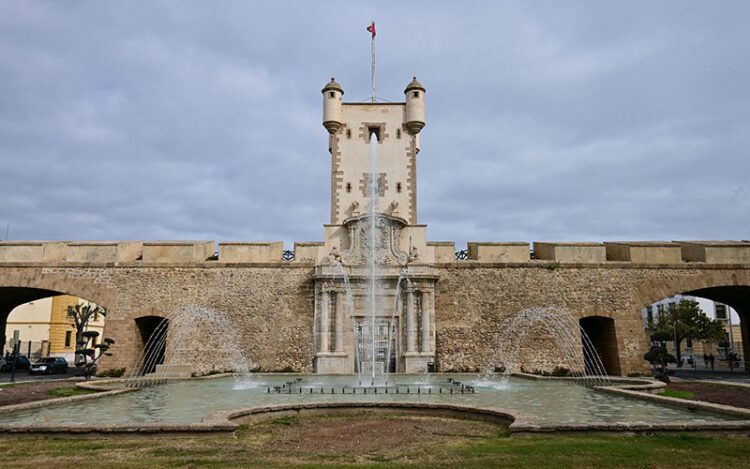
332, 85
414, 85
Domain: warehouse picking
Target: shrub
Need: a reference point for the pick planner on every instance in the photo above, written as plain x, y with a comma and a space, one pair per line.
111, 373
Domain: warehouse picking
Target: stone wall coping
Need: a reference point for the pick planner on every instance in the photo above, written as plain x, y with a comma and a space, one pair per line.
441, 243
175, 243
503, 243
249, 243
309, 243
644, 244
27, 243
723, 243
62, 400
682, 403
208, 264
567, 243
548, 264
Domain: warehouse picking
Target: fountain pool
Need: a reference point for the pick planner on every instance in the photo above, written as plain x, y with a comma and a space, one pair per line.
182, 402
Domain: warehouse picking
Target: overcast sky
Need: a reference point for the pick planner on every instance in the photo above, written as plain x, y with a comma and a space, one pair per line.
547, 121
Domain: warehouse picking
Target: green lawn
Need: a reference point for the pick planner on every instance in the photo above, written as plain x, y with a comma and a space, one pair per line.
476, 444
678, 394
69, 391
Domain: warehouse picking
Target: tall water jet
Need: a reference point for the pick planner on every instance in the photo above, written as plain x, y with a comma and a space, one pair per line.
374, 182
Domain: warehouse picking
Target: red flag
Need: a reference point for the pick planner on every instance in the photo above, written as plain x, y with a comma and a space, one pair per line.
371, 29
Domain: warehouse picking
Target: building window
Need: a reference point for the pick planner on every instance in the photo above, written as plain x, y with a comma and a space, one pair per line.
398, 133
416, 94
331, 94
650, 314
398, 187
348, 187
721, 311
689, 343
348, 133
373, 130
68, 336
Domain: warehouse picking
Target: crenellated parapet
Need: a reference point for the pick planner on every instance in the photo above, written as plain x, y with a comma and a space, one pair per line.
435, 252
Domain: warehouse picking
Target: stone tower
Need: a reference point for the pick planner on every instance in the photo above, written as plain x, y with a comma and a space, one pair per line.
401, 241
397, 126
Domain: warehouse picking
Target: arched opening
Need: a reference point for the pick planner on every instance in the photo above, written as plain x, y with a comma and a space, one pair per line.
727, 305
150, 331
603, 336
36, 322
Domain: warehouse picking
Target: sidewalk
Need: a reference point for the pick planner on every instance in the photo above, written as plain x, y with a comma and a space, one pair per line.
719, 373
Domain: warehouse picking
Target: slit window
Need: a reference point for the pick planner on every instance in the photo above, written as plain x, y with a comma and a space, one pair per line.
348, 133
68, 335
331, 94
416, 94
398, 187
398, 133
348, 187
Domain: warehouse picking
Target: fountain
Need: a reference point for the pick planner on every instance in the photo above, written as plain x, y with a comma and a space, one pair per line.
578, 354
191, 340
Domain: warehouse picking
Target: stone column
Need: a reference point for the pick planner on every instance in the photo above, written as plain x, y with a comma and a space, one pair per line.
325, 302
427, 306
411, 324
339, 344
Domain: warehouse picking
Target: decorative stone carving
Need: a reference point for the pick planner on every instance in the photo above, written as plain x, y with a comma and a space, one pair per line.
413, 254
334, 256
387, 240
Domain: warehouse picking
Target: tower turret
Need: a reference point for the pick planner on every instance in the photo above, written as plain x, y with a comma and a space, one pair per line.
332, 95
414, 106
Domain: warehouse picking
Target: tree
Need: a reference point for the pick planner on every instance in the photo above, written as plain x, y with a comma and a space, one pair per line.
685, 320
658, 354
89, 354
81, 314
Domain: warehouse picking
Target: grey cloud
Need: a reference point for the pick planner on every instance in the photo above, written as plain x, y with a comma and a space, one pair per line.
546, 121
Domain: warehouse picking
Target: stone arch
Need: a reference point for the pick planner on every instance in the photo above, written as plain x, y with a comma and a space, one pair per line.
602, 332
19, 286
731, 287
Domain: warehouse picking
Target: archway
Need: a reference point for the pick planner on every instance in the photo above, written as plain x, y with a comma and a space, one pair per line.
150, 330
37, 320
601, 331
717, 303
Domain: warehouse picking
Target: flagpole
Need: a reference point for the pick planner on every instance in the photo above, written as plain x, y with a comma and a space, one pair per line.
372, 49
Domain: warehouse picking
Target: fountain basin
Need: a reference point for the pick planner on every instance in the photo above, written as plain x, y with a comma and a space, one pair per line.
217, 404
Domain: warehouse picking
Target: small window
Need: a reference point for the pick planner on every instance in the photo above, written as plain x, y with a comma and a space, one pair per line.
348, 133
721, 311
689, 343
373, 130
416, 94
331, 94
68, 336
398, 133
348, 187
398, 187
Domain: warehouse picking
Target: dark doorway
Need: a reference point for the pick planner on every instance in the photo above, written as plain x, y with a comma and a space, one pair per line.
601, 332
152, 333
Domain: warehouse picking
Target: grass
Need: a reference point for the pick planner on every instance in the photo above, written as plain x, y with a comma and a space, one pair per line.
69, 391
677, 394
257, 446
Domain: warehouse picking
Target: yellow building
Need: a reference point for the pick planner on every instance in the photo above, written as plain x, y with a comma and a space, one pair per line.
44, 328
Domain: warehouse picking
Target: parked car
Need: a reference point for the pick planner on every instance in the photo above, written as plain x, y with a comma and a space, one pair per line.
49, 365
22, 363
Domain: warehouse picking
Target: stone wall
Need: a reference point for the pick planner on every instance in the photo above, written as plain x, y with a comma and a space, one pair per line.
272, 304
473, 300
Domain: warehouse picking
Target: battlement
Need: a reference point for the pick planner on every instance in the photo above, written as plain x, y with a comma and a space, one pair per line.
443, 252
